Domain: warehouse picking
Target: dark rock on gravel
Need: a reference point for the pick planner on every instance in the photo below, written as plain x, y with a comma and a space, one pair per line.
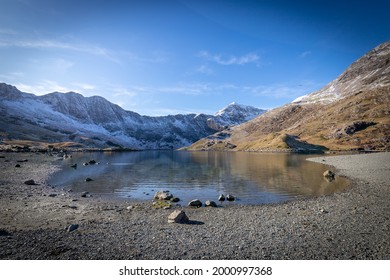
30, 182
72, 227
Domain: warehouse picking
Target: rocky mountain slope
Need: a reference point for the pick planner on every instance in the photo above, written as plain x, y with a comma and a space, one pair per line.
95, 122
351, 112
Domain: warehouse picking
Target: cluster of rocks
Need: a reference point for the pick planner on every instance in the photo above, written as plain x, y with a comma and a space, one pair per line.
210, 203
164, 199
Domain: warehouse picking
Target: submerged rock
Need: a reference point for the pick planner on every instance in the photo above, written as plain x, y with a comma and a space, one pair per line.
328, 174
178, 216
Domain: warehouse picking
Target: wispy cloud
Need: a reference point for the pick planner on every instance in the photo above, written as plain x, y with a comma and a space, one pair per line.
305, 54
12, 76
46, 86
204, 69
231, 59
42, 87
156, 56
85, 86
7, 31
53, 44
282, 90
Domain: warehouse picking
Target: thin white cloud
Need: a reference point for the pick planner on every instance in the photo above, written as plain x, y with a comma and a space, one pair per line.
85, 86
152, 57
305, 54
282, 90
43, 87
7, 31
204, 69
12, 76
53, 44
231, 59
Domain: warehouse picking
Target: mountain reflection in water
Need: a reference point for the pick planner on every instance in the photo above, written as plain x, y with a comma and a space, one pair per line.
254, 178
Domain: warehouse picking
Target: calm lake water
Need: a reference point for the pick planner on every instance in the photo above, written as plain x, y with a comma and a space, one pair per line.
253, 178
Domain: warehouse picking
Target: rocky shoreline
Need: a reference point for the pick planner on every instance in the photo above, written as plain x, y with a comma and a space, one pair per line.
36, 220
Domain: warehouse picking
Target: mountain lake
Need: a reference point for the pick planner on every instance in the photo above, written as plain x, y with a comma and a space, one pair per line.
252, 178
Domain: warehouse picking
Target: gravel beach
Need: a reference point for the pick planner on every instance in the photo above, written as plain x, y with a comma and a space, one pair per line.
35, 220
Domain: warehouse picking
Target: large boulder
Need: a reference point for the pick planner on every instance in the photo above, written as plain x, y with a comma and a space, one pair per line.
178, 216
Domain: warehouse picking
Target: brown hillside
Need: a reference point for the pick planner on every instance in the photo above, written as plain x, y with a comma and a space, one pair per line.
351, 112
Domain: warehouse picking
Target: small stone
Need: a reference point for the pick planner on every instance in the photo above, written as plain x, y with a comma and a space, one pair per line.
17, 165
178, 216
210, 203
88, 179
52, 195
72, 206
175, 199
92, 162
195, 203
323, 211
72, 227
131, 207
30, 182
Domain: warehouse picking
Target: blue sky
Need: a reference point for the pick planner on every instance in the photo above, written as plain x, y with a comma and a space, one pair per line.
176, 56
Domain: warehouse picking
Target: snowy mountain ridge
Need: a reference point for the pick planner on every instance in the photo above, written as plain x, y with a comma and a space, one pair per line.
96, 122
369, 72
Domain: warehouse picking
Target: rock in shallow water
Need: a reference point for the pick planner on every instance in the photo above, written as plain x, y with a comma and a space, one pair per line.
229, 197
210, 203
195, 203
328, 174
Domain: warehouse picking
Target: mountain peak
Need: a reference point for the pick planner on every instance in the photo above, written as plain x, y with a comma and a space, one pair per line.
350, 113
368, 72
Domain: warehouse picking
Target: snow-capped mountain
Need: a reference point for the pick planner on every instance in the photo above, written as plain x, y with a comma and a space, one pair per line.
95, 122
350, 113
369, 72
233, 114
